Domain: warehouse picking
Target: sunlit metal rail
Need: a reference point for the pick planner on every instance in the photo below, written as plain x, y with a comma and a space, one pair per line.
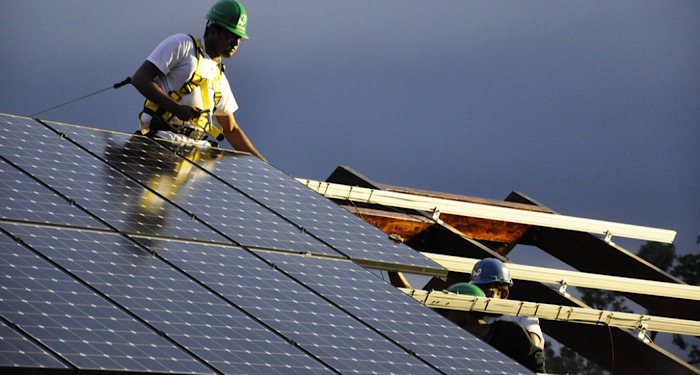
574, 278
483, 211
452, 301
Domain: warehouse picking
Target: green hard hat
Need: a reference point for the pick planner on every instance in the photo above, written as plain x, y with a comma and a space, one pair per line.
467, 289
231, 15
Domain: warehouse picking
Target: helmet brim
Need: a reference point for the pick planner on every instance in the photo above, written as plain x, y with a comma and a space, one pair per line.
237, 32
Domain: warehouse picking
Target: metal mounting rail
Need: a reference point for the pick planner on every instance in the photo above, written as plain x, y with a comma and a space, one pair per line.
575, 278
483, 211
452, 301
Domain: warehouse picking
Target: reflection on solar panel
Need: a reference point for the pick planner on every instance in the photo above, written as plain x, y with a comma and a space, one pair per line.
174, 178
302, 206
120, 255
102, 190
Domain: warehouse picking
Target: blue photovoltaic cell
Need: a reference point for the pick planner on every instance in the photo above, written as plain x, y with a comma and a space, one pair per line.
310, 321
198, 192
98, 301
398, 316
17, 351
174, 304
91, 183
77, 324
23, 199
326, 220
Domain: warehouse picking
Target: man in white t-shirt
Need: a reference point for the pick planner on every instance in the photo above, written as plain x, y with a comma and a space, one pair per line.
174, 62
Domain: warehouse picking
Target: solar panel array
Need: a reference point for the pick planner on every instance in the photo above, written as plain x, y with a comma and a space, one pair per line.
125, 254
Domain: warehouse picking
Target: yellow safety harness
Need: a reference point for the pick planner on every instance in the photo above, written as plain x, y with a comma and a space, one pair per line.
205, 123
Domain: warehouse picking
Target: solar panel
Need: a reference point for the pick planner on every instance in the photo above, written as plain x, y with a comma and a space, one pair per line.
300, 314
374, 301
327, 221
174, 304
198, 192
26, 200
120, 256
100, 189
18, 351
67, 316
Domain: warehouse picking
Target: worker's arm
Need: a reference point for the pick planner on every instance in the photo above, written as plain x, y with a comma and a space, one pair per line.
144, 81
235, 135
537, 340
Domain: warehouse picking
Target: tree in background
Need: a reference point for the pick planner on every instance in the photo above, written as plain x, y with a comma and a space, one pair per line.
687, 268
567, 361
684, 267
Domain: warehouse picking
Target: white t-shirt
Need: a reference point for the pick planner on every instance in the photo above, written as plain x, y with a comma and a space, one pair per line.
176, 58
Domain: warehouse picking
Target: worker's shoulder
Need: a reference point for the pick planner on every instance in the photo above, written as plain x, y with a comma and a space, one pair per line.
179, 38
177, 46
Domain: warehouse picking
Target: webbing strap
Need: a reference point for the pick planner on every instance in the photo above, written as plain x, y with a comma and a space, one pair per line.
197, 80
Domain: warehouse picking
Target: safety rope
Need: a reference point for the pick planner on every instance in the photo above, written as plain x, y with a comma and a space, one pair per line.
114, 86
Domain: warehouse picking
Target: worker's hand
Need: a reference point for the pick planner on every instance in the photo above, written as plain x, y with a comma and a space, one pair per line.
187, 112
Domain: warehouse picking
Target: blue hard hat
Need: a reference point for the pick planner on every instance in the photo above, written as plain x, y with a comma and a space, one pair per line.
491, 270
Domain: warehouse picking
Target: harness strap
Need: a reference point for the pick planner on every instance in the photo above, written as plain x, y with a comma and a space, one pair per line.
204, 121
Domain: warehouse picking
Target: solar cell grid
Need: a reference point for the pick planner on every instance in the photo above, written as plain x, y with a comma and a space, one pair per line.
234, 214
412, 325
82, 327
98, 188
172, 303
291, 309
200, 305
24, 199
316, 214
17, 351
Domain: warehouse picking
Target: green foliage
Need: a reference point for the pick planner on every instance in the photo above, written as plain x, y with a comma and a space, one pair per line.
567, 361
658, 254
687, 268
663, 256
603, 300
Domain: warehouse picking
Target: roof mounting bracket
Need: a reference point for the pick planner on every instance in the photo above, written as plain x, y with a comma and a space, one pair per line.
436, 216
562, 287
642, 335
608, 237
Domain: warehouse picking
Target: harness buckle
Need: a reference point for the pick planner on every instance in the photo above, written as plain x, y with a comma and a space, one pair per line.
196, 134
